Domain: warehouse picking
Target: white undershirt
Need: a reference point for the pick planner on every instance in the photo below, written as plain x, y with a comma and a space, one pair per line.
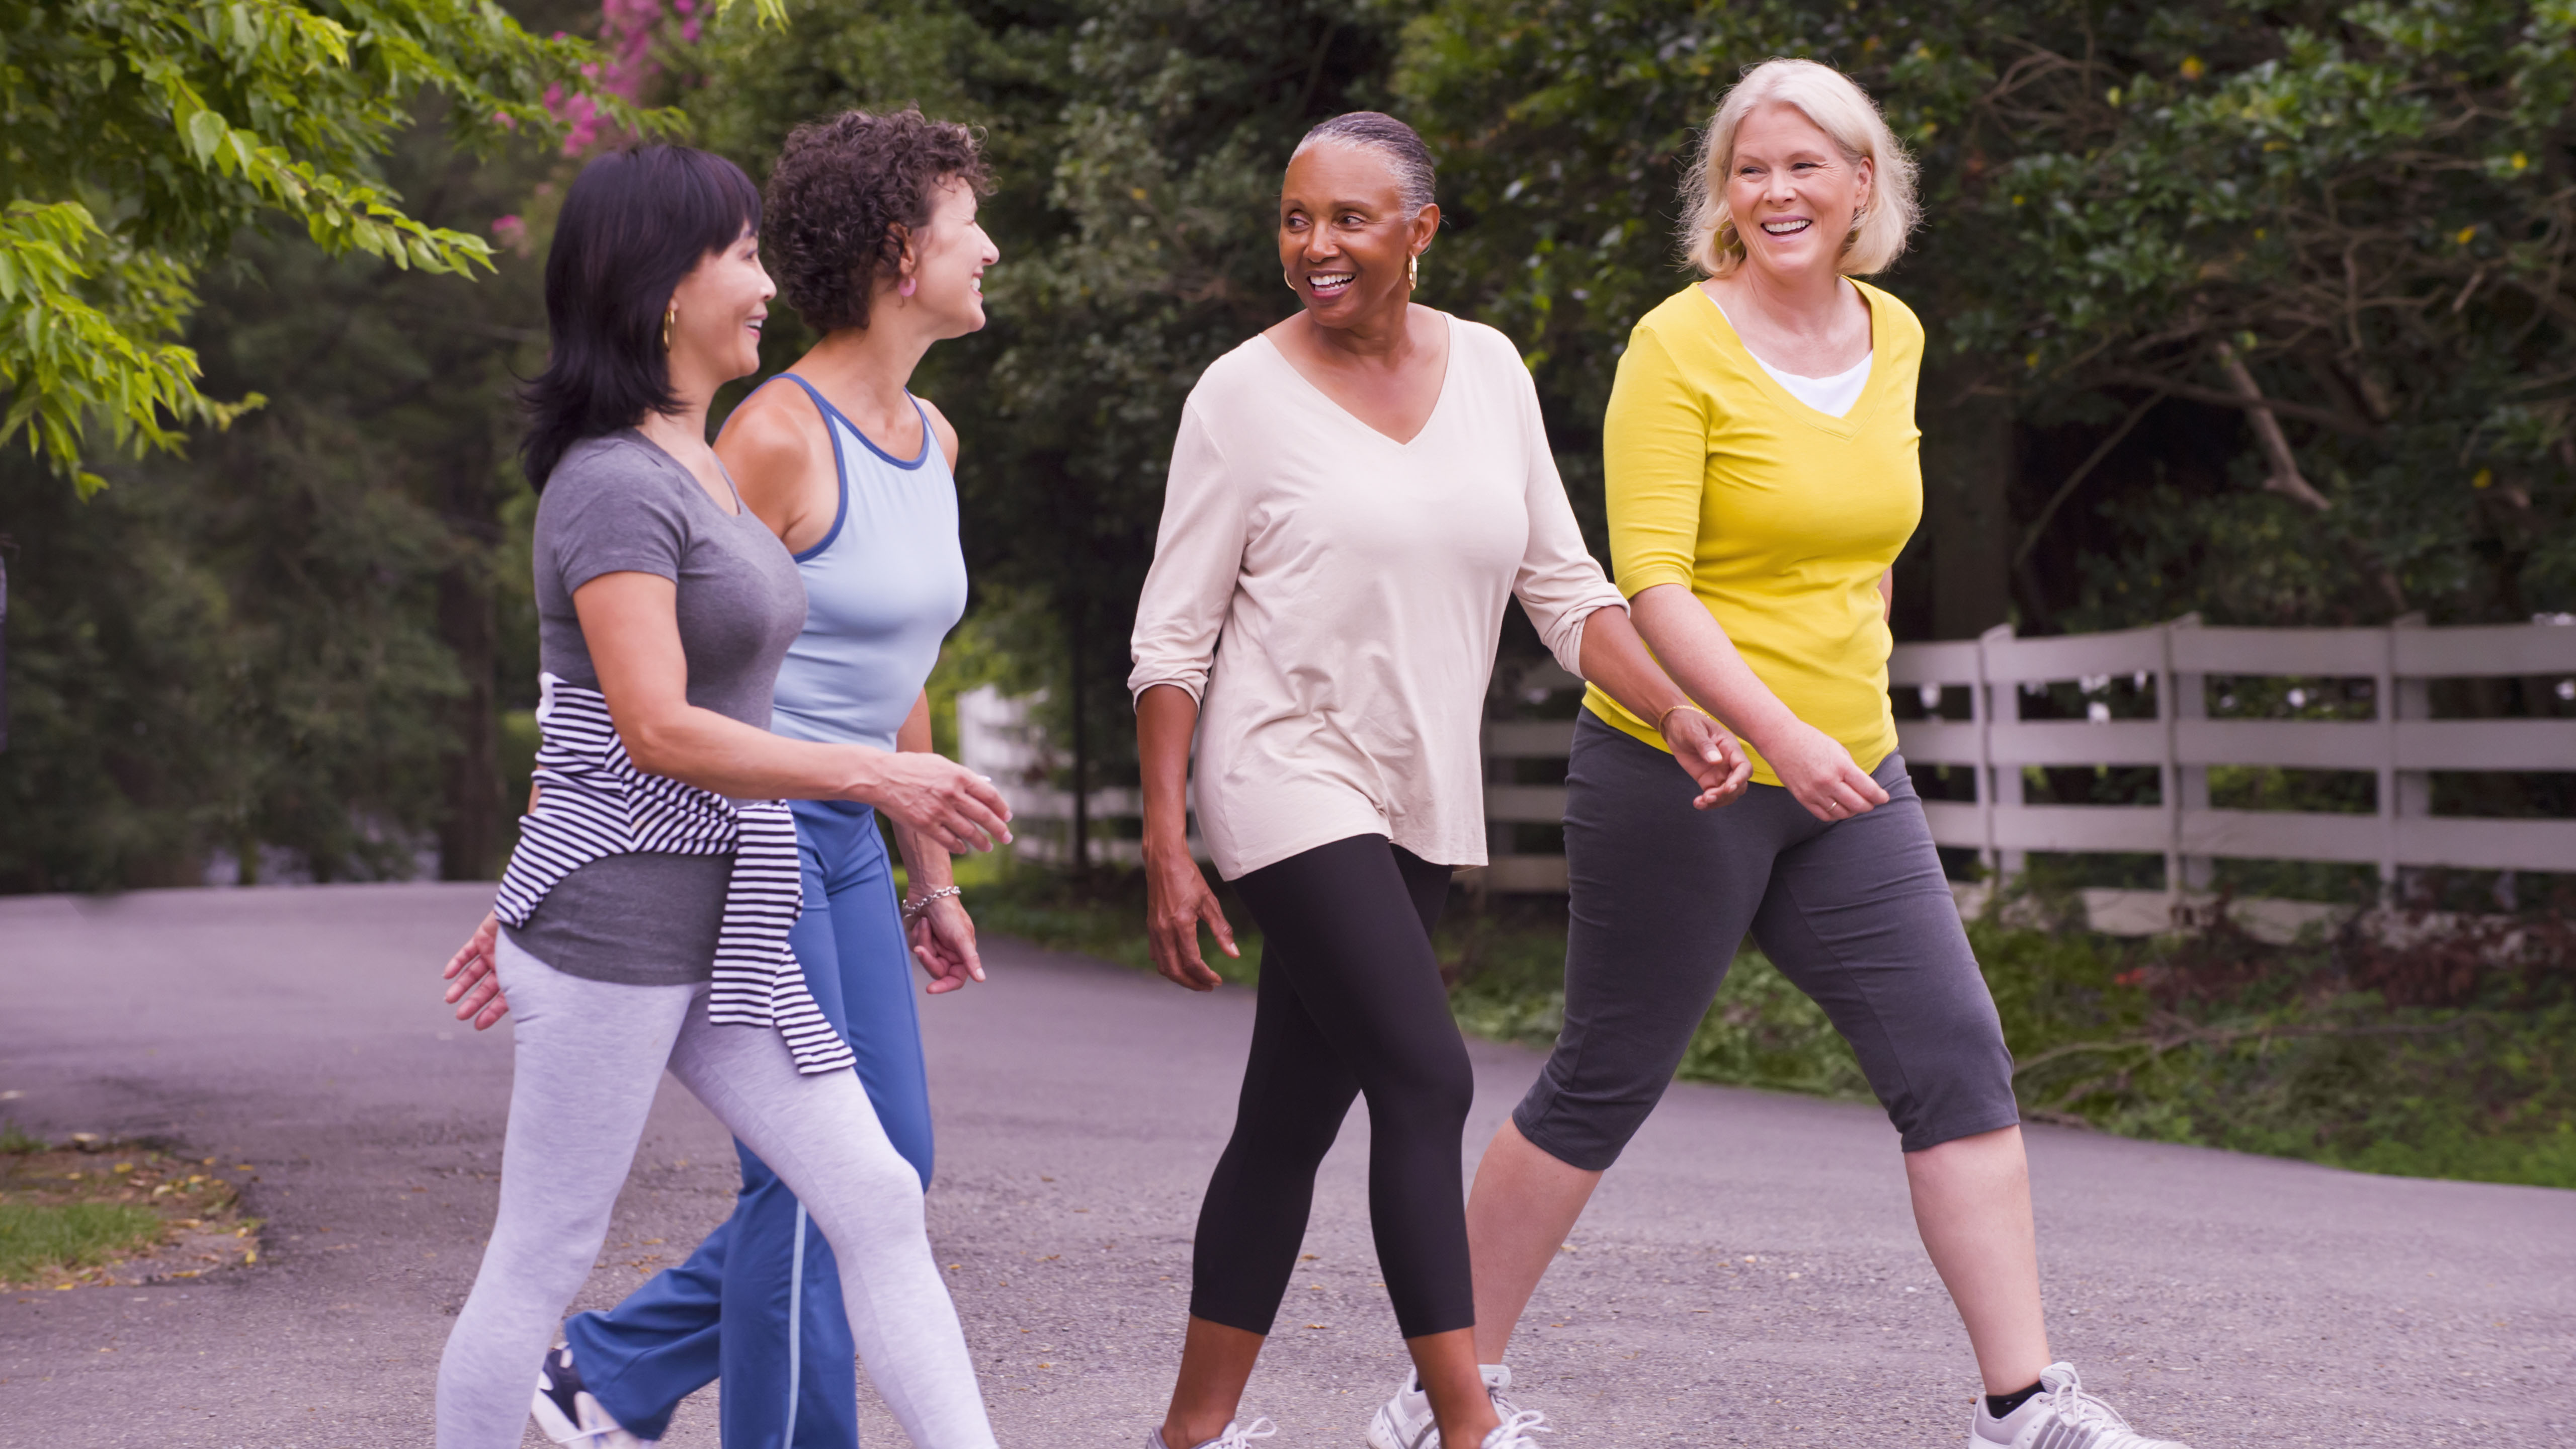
1833, 396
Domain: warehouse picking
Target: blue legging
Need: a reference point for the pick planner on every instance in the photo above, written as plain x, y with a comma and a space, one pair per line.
759, 1303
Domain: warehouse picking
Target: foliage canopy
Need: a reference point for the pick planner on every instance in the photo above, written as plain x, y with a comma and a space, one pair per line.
142, 135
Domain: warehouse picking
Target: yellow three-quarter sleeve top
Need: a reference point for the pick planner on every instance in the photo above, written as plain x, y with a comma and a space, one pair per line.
1778, 517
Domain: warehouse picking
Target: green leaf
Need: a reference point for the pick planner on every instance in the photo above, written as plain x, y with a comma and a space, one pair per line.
206, 131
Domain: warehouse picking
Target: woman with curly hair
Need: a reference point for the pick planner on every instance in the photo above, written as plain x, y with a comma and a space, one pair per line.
871, 222
644, 920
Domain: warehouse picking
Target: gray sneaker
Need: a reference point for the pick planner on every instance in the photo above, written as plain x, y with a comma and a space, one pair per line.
2060, 1416
1406, 1421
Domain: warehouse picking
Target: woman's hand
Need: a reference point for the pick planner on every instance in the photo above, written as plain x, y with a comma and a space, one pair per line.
475, 991
1177, 899
957, 809
943, 939
1709, 755
1819, 772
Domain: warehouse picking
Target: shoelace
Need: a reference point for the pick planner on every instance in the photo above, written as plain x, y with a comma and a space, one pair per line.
2073, 1404
1237, 1435
1517, 1429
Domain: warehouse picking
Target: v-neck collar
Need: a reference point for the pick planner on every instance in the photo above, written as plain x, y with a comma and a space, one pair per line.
739, 507
1846, 426
1439, 404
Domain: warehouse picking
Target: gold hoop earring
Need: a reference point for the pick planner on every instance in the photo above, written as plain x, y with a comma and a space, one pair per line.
1413, 270
670, 318
1289, 280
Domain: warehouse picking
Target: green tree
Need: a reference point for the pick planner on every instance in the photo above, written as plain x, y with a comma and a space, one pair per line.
2333, 234
143, 135
281, 644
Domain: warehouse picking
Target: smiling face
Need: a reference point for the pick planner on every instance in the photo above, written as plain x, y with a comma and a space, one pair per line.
1344, 235
1793, 193
945, 260
721, 304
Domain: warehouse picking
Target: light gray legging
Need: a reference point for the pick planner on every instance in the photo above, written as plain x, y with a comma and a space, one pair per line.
589, 1056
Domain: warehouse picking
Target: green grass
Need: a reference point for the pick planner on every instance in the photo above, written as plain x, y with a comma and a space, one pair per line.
34, 1237
2406, 1063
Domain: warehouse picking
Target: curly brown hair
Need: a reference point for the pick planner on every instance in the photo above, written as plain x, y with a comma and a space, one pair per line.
845, 193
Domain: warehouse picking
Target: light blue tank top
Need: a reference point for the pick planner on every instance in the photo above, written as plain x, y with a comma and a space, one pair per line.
882, 590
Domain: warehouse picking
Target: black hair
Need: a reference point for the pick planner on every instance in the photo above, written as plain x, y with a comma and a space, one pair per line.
1400, 144
635, 223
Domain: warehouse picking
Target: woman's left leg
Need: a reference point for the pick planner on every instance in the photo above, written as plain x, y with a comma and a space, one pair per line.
823, 1140
1347, 932
1860, 917
759, 1302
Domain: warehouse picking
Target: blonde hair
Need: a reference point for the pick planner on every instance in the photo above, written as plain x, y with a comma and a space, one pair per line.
1846, 114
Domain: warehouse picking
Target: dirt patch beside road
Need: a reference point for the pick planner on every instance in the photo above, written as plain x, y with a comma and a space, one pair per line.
118, 1213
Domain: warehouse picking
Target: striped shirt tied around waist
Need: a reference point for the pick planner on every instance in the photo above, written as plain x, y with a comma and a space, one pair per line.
593, 803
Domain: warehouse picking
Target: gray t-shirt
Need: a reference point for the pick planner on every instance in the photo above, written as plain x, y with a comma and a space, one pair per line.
618, 504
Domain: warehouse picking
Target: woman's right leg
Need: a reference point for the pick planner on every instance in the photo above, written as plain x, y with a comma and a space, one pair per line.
1349, 982
587, 1056
1296, 1091
821, 1137
1660, 897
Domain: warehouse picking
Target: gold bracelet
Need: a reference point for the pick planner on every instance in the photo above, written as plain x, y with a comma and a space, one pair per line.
1668, 714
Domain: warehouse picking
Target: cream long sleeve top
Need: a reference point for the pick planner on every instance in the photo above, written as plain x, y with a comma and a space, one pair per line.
1333, 598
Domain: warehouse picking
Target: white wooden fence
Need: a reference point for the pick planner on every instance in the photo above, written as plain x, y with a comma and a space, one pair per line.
2169, 665
2401, 745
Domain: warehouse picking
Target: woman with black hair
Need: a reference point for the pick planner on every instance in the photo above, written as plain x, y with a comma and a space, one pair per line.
871, 227
644, 915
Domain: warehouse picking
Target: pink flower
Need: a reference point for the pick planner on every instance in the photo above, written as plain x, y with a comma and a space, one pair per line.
628, 32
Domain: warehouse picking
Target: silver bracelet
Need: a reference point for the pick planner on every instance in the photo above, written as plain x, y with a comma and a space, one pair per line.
919, 905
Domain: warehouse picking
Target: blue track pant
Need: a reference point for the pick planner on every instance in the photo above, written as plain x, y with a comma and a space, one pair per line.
759, 1303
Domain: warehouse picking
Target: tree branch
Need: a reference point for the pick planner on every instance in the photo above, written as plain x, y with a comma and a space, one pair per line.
2066, 490
2285, 478
2322, 417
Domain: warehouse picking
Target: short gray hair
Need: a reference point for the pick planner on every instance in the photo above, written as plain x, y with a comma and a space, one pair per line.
1399, 143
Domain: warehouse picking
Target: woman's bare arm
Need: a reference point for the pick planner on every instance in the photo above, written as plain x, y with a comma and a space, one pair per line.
1177, 898
1695, 651
1616, 659
630, 622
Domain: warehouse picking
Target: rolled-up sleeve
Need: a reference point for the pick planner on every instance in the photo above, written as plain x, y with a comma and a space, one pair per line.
1559, 582
1198, 557
1654, 456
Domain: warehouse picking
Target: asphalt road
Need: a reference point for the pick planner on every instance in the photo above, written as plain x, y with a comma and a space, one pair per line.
1748, 1275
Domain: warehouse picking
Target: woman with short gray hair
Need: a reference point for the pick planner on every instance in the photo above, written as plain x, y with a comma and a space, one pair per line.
1356, 495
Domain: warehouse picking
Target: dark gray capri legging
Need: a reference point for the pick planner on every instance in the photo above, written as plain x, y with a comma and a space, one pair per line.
1855, 913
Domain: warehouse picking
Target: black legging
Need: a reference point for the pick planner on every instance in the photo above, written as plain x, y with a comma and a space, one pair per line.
1351, 1003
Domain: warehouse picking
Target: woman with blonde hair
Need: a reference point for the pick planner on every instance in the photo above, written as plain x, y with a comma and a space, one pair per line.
1762, 475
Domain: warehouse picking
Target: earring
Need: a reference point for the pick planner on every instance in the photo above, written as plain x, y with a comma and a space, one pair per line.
670, 319
1413, 270
1284, 277
906, 289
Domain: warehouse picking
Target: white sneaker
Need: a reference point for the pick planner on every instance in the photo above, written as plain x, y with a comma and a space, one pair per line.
1236, 1436
1406, 1421
1515, 1432
569, 1415
2060, 1416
